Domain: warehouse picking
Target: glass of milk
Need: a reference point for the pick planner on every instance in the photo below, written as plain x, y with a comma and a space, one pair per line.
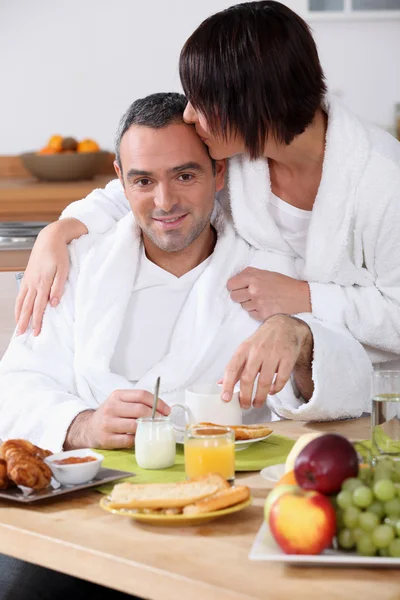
155, 446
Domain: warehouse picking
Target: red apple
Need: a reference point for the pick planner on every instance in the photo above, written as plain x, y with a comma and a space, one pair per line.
302, 522
325, 463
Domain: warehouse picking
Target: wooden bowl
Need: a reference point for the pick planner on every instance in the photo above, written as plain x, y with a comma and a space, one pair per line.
64, 167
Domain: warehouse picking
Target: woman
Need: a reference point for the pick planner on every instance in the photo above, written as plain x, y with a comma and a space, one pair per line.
306, 179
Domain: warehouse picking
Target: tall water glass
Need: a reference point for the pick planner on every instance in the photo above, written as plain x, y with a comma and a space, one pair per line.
386, 414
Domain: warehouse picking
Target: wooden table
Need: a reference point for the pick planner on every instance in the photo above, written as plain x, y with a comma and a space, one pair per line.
209, 562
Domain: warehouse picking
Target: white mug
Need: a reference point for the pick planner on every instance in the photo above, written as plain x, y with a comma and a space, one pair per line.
204, 405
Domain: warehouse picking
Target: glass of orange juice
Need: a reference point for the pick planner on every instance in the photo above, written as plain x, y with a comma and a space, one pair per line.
210, 450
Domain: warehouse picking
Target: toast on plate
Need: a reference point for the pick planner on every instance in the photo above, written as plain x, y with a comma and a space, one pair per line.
219, 500
197, 496
166, 495
243, 432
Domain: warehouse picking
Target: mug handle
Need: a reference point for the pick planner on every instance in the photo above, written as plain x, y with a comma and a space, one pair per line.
185, 408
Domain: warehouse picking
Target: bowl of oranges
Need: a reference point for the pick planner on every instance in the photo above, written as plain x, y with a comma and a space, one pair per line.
65, 159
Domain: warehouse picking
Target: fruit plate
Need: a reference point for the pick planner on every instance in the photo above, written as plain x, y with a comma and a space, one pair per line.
265, 548
172, 520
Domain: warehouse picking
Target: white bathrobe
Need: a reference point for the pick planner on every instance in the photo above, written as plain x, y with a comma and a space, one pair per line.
46, 381
352, 258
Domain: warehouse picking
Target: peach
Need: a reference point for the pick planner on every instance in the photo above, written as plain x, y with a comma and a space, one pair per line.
275, 494
302, 522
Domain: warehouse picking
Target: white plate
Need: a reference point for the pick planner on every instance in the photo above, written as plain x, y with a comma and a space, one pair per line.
243, 444
239, 445
265, 548
274, 473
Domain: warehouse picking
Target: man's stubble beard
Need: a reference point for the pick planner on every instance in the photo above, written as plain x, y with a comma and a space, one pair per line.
167, 243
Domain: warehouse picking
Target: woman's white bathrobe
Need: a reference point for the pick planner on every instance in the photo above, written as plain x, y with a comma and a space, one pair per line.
352, 259
46, 381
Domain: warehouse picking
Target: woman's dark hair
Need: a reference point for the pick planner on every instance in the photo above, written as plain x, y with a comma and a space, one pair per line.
253, 69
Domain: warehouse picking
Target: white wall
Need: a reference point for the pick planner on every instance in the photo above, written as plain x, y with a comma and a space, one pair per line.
73, 66
361, 60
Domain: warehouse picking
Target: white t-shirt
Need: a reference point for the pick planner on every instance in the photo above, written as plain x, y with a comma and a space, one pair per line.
293, 223
154, 307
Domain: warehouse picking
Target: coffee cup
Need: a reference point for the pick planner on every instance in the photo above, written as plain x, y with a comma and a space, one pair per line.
205, 405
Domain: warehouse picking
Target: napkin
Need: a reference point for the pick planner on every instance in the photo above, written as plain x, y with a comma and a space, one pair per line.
272, 451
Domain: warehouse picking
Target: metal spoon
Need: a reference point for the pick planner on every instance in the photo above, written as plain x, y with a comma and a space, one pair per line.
157, 389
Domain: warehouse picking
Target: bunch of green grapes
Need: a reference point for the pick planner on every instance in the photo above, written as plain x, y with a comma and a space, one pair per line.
368, 511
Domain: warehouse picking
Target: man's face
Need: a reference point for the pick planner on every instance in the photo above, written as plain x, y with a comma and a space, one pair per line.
169, 182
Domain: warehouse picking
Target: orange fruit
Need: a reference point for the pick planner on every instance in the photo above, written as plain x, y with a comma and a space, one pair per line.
55, 142
88, 145
287, 479
47, 150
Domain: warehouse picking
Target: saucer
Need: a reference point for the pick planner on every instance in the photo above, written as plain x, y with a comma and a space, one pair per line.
273, 473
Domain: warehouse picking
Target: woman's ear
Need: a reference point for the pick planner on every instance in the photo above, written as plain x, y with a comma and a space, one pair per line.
220, 169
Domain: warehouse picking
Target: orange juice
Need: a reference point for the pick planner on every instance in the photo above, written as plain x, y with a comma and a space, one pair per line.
210, 455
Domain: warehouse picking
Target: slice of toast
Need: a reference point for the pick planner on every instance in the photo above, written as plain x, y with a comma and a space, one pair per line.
166, 495
219, 500
243, 432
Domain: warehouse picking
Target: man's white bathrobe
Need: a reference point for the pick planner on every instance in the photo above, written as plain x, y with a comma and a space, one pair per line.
46, 381
352, 258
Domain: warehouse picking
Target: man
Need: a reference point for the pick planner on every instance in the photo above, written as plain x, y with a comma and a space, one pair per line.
149, 298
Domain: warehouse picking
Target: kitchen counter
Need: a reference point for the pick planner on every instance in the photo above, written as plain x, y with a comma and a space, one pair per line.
31, 200
25, 199
13, 260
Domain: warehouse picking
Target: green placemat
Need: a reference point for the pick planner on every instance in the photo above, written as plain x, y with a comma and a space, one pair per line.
271, 451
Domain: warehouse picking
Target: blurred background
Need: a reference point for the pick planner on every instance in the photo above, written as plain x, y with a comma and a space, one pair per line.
72, 67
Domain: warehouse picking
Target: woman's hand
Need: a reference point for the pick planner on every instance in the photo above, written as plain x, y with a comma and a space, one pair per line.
46, 273
265, 293
279, 346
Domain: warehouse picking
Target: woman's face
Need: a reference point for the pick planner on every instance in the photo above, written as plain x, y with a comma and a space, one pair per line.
218, 147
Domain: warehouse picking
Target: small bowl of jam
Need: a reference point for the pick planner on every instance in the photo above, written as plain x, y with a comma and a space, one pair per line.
75, 467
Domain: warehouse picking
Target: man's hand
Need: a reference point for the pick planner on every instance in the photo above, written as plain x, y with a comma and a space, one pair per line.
265, 293
113, 424
281, 345
46, 273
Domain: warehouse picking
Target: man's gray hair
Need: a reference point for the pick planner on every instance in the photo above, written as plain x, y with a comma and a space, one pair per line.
155, 111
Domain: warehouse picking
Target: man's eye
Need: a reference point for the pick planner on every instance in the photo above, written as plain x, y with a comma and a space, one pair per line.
144, 182
186, 177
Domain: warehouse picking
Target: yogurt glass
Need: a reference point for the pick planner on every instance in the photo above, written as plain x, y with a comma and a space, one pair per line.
155, 446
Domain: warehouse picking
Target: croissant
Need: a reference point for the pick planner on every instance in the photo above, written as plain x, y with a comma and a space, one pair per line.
4, 480
25, 464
